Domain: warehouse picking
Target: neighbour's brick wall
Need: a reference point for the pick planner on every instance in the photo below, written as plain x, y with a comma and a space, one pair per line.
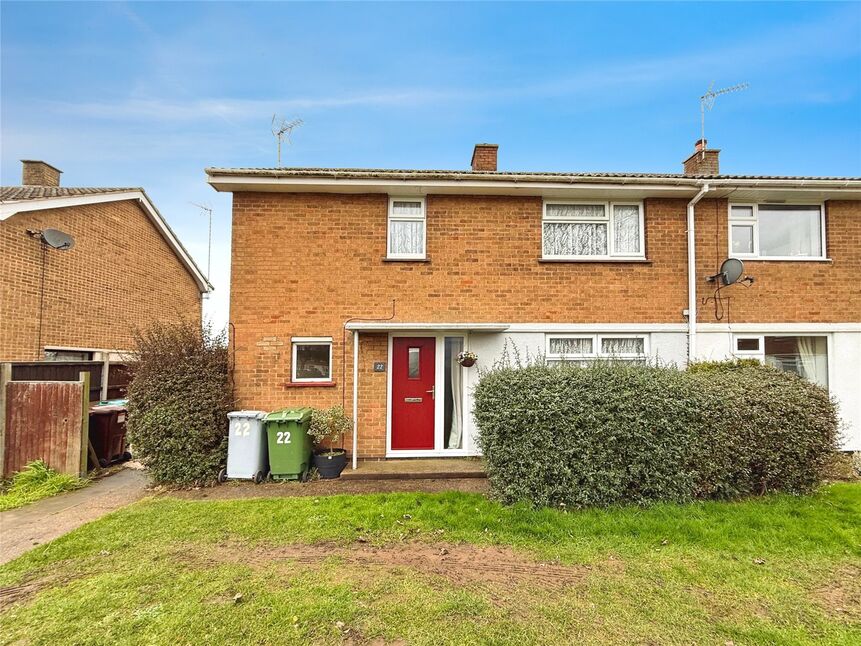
120, 274
786, 291
304, 263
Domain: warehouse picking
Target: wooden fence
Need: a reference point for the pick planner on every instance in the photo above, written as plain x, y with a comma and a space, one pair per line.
114, 387
44, 420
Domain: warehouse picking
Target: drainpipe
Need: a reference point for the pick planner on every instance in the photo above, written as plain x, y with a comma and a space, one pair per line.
355, 398
692, 275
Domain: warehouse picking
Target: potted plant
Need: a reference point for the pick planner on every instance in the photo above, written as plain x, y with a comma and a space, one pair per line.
467, 358
328, 426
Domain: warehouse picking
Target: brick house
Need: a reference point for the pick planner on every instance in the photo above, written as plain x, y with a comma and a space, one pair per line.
126, 269
361, 286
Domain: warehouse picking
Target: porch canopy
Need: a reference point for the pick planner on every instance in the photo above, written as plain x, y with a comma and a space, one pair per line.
389, 326
392, 326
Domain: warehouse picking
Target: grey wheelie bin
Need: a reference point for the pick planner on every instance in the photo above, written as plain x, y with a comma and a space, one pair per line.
247, 449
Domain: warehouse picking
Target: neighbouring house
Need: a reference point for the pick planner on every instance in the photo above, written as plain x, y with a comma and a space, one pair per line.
361, 286
125, 270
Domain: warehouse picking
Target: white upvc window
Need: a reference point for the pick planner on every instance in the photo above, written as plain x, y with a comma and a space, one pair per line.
312, 359
407, 227
582, 348
777, 231
592, 230
805, 355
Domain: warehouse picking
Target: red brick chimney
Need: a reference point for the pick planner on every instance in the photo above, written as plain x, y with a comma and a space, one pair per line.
704, 161
39, 173
484, 157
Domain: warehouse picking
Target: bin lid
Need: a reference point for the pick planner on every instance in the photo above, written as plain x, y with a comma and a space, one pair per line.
113, 402
107, 410
243, 414
289, 415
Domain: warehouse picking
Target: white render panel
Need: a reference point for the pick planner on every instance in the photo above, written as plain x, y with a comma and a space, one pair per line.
844, 368
845, 384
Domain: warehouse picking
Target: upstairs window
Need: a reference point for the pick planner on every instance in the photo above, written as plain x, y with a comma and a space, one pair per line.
582, 348
406, 229
573, 230
777, 231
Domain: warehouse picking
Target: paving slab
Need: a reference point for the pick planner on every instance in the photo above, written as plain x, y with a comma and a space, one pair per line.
24, 528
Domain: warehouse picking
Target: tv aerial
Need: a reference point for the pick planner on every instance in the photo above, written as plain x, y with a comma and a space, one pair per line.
56, 239
283, 130
707, 102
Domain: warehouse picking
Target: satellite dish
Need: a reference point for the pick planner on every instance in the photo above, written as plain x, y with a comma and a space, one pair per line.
56, 239
731, 270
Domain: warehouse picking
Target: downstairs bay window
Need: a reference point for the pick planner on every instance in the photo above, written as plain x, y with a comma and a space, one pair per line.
580, 349
592, 231
806, 356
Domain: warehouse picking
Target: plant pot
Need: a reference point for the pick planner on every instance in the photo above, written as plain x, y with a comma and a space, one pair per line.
330, 463
468, 363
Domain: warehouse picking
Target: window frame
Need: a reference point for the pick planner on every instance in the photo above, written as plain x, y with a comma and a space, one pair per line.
760, 355
609, 218
295, 342
753, 221
596, 346
404, 218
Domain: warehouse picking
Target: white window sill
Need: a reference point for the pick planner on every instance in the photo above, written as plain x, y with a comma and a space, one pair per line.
404, 259
594, 259
781, 258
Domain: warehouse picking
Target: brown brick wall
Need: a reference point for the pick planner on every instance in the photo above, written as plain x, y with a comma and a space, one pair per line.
304, 263
121, 273
786, 291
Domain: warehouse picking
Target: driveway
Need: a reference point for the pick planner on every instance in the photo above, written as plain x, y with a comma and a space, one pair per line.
24, 528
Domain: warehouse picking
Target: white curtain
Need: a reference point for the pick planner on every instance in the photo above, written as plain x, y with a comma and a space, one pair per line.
575, 239
567, 345
576, 211
455, 438
814, 358
622, 346
626, 228
406, 236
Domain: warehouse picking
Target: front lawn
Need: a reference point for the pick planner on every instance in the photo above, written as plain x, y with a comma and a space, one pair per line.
446, 568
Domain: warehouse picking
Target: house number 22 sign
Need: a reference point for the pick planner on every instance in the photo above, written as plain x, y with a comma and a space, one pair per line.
379, 366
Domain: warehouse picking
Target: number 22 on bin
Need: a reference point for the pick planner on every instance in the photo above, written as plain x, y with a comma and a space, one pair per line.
243, 428
282, 437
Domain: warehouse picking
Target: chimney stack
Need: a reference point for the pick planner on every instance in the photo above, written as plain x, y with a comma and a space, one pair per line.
704, 161
484, 157
39, 173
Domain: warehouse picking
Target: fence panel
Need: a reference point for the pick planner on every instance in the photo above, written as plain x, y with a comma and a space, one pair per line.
45, 421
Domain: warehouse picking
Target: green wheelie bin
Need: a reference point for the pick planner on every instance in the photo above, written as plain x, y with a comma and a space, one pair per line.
289, 443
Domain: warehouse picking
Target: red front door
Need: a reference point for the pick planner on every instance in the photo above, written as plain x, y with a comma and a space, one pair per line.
413, 393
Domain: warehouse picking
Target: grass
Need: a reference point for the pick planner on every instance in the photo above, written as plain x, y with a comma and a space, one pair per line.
774, 570
34, 482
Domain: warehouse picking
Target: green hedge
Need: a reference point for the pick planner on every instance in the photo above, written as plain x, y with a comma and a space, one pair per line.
179, 397
618, 433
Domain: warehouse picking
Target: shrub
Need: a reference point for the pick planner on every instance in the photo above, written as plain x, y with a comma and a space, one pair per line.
179, 397
618, 433
329, 425
731, 364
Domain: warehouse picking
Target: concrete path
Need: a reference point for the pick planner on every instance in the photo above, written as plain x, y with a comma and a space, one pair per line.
24, 528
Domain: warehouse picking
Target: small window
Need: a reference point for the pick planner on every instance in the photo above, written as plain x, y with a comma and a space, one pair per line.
777, 231
312, 359
580, 349
406, 228
599, 230
747, 344
414, 363
68, 355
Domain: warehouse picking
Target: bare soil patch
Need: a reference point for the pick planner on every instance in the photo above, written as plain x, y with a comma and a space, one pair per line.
496, 567
841, 596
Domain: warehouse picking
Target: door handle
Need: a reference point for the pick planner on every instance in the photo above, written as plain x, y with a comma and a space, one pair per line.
432, 391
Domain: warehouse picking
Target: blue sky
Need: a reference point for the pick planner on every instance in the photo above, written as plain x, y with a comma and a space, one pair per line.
149, 94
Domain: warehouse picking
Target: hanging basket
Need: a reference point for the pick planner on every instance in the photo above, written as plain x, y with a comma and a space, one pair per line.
467, 359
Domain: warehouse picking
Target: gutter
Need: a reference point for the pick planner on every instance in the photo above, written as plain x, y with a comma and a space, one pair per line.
692, 275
